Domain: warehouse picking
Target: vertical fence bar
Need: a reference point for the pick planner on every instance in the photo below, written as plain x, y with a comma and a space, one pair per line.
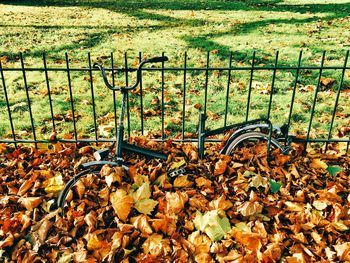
163, 71
49, 92
314, 100
206, 85
114, 96
141, 97
337, 98
93, 98
250, 87
28, 98
71, 97
184, 98
228, 88
8, 105
294, 90
272, 86
127, 94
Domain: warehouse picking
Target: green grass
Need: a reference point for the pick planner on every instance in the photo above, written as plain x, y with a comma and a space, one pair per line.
152, 27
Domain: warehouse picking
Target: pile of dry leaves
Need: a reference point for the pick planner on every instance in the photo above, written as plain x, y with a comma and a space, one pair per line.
224, 209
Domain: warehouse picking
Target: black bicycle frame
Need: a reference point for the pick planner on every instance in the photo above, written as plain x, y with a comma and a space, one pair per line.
121, 144
254, 124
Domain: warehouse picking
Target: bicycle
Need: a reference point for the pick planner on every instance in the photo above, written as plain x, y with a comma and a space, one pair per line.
244, 132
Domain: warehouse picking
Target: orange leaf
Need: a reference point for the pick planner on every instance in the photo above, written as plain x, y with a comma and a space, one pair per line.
220, 167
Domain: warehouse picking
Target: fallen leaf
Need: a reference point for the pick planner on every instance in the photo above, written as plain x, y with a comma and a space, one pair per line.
250, 208
220, 167
30, 202
334, 170
213, 224
274, 186
121, 203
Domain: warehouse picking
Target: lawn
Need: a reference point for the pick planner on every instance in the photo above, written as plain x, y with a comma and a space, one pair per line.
148, 28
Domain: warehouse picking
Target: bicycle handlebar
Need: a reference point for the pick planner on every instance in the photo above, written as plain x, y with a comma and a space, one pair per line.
156, 59
139, 68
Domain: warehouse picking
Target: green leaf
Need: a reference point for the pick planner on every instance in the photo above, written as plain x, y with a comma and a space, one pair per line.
211, 223
274, 186
334, 170
145, 206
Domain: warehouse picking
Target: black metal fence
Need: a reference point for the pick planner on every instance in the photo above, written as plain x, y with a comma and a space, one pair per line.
313, 100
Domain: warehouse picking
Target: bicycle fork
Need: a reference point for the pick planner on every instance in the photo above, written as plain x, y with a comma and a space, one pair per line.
120, 131
201, 137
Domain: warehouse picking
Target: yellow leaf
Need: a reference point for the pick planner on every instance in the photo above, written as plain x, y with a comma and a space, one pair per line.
143, 192
93, 242
340, 226
318, 164
145, 206
201, 242
155, 245
121, 203
54, 184
294, 207
177, 165
319, 205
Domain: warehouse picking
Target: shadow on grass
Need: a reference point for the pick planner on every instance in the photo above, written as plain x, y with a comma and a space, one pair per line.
204, 41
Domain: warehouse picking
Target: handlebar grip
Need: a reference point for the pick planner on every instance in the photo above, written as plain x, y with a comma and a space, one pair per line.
157, 59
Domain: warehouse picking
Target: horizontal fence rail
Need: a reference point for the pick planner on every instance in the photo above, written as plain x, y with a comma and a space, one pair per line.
47, 103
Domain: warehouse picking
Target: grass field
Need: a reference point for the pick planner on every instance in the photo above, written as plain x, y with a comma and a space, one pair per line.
173, 27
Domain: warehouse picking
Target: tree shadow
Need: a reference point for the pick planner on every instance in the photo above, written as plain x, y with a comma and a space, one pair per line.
142, 10
91, 41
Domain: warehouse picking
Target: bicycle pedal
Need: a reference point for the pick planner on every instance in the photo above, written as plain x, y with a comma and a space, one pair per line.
177, 172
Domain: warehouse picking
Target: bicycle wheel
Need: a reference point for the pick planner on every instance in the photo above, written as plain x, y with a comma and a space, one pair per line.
249, 138
81, 192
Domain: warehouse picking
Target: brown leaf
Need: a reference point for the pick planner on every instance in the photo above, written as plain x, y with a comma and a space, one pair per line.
30, 202
39, 232
90, 220
327, 82
220, 167
251, 241
343, 251
8, 241
182, 181
175, 202
250, 208
141, 222
220, 203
